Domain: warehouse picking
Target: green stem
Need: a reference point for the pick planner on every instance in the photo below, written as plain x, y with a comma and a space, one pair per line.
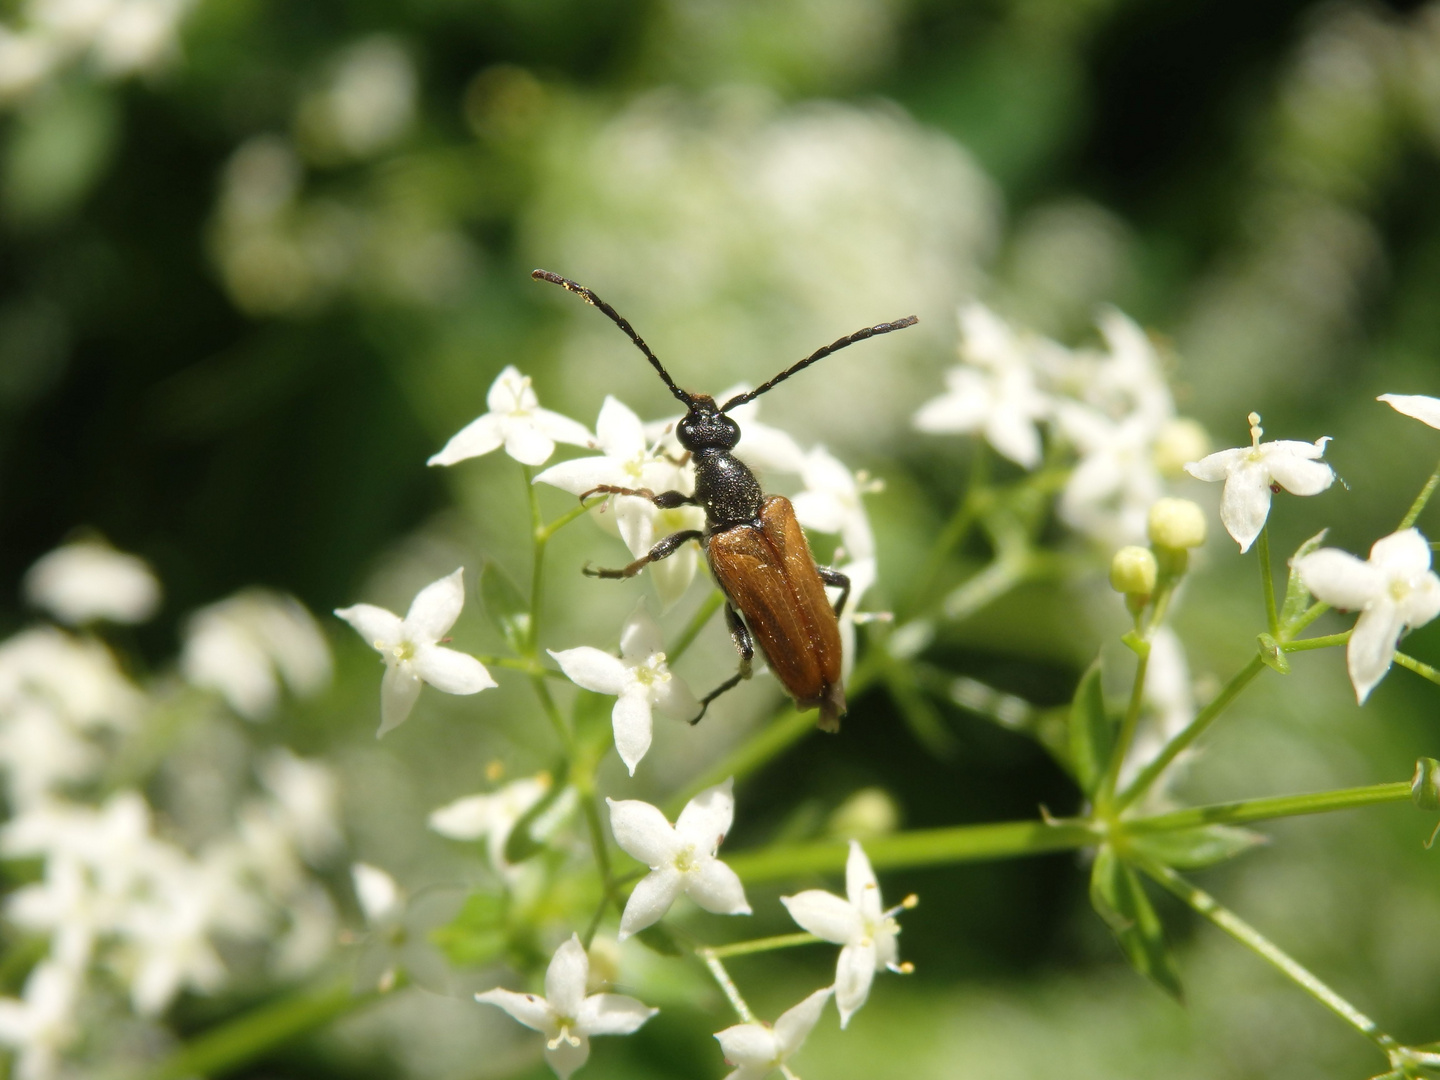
1425, 671
552, 713
228, 1047
764, 944
1420, 500
921, 847
539, 539
1197, 727
1206, 905
1267, 580
961, 522
1106, 794
1310, 614
727, 984
513, 663
998, 578
544, 532
713, 603
1306, 644
1238, 813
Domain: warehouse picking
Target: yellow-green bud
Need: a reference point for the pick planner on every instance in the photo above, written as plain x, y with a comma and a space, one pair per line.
1176, 524
1133, 571
869, 812
1180, 441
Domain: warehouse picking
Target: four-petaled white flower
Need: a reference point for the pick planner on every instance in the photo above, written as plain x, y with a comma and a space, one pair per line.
638, 678
515, 421
831, 502
412, 650
1422, 408
865, 929
492, 817
633, 460
1248, 472
1394, 591
757, 1050
565, 1015
681, 857
994, 392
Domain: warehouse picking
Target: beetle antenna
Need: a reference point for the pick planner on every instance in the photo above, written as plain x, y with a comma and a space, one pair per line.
819, 354
624, 324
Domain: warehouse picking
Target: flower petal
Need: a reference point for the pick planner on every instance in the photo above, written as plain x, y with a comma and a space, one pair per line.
642, 831
860, 884
1403, 553
561, 428
581, 474
565, 977
640, 636
753, 1045
650, 900
475, 439
717, 888
854, 972
1216, 466
525, 442
1372, 647
619, 431
435, 608
531, 1010
451, 671
379, 628
708, 817
592, 669
1245, 503
566, 1057
674, 698
1422, 408
1298, 475
796, 1023
1422, 603
825, 915
510, 392
398, 691
612, 1014
632, 724
1339, 578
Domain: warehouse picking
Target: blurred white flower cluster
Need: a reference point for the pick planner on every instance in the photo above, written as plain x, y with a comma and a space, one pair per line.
116, 37
1111, 408
110, 893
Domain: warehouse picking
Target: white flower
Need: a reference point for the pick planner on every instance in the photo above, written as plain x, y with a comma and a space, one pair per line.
681, 858
1394, 591
632, 461
39, 1026
994, 392
1422, 408
862, 574
638, 678
89, 580
565, 1015
1249, 471
1111, 488
516, 421
78, 677
412, 650
400, 929
757, 1049
492, 817
306, 797
860, 924
244, 646
831, 502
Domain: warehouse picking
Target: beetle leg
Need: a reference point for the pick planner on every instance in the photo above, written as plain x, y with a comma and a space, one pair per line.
745, 646
840, 581
666, 500
664, 549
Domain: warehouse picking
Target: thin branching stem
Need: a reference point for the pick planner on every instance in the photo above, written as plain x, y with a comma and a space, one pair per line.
1413, 514
1267, 580
1425, 671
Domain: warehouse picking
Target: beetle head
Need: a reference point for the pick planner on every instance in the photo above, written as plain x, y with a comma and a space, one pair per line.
705, 427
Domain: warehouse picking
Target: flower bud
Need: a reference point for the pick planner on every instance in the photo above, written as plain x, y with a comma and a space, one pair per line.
1176, 524
869, 812
1425, 787
1180, 441
1133, 571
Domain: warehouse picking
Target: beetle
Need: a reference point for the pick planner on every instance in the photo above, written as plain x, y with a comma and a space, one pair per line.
774, 590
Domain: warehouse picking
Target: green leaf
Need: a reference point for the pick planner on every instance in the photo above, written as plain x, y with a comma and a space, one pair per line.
1092, 731
1272, 655
1194, 849
1119, 898
506, 606
1297, 597
480, 934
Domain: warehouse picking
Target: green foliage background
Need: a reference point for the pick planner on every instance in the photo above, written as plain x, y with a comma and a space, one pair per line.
1254, 183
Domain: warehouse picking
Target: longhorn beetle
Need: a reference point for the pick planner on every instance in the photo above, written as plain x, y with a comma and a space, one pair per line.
774, 591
